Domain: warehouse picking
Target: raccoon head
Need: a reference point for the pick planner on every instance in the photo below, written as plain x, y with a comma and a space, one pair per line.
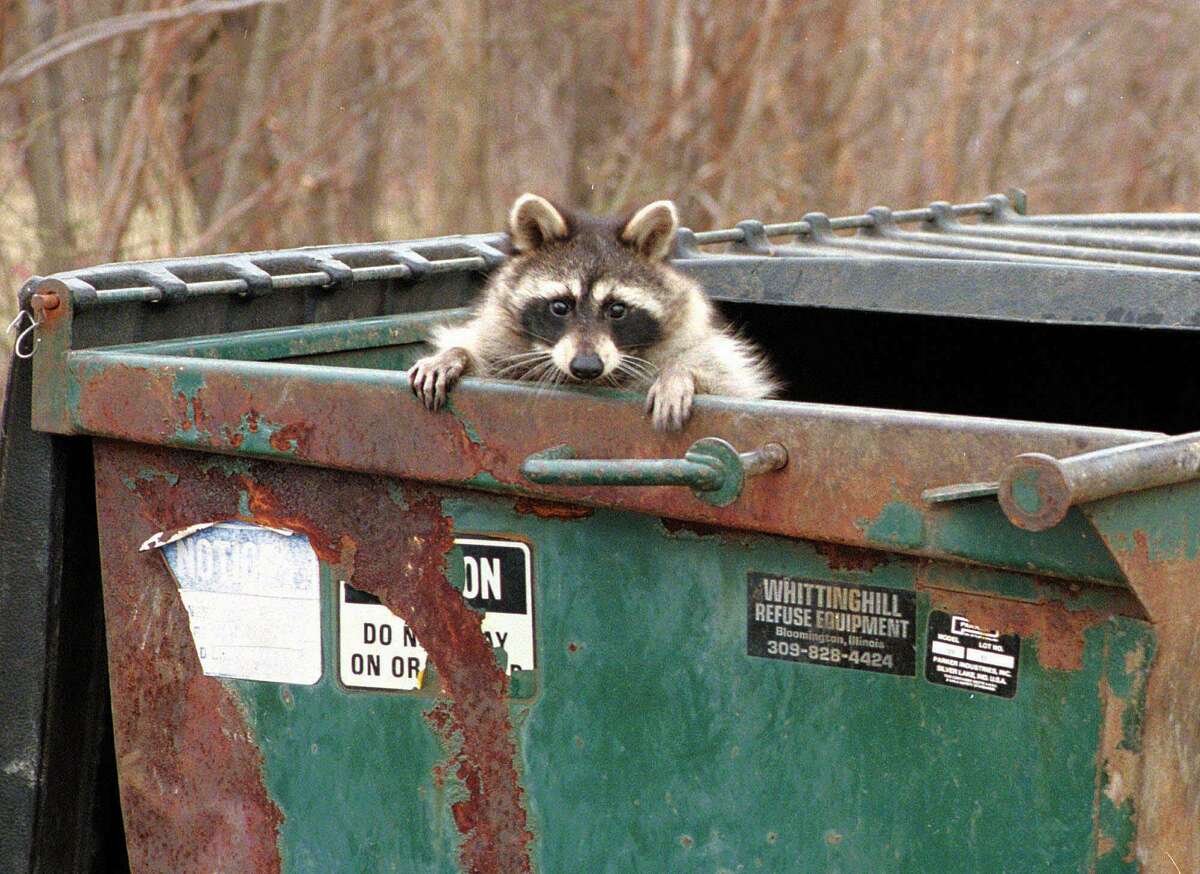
593, 295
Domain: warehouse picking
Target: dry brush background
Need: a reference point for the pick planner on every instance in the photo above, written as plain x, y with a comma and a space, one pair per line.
139, 128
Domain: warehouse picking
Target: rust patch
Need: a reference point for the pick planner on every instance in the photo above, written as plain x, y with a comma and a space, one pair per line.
354, 522
1134, 659
1117, 602
849, 558
1120, 768
1121, 773
551, 509
1059, 631
398, 556
1159, 583
191, 775
50, 306
290, 438
181, 412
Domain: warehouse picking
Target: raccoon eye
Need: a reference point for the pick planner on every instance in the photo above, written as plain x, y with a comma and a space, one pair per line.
616, 310
560, 307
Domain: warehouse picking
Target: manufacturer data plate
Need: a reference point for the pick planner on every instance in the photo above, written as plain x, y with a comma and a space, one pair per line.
965, 656
378, 650
841, 625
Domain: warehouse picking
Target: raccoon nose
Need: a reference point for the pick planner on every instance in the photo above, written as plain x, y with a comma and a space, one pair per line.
586, 366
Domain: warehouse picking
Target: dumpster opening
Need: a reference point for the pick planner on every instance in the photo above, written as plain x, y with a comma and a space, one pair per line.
1022, 371
1064, 373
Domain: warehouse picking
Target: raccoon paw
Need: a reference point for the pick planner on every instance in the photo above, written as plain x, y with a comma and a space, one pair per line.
433, 376
669, 401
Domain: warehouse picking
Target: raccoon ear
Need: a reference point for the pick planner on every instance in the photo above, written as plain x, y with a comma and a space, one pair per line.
533, 221
652, 229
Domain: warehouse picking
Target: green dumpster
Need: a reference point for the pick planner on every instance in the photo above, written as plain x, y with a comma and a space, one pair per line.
918, 630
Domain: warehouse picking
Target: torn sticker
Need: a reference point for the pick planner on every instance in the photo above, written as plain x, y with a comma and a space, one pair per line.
252, 596
163, 538
376, 648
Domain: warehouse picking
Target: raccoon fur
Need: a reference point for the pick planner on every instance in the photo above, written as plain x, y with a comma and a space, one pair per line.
587, 300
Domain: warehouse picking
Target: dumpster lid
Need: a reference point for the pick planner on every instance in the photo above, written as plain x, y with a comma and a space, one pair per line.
986, 259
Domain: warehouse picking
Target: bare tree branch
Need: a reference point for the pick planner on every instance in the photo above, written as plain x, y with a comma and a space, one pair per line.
45, 151
80, 38
254, 104
283, 179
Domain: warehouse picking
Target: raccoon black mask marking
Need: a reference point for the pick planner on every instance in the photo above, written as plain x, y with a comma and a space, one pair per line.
594, 300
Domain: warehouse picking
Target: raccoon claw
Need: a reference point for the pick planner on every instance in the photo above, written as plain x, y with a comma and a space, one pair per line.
669, 401
432, 377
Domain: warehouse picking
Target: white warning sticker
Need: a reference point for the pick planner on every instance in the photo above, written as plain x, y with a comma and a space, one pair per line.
252, 596
378, 650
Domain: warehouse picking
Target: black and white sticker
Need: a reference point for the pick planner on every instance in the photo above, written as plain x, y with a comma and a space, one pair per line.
866, 628
377, 649
965, 656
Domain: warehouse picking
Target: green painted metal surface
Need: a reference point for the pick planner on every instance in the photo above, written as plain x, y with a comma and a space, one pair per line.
353, 771
977, 530
655, 743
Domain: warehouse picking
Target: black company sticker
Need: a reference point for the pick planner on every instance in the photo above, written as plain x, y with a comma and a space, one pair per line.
967, 657
842, 625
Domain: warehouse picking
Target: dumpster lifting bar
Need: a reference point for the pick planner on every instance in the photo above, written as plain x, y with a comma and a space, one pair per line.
1036, 490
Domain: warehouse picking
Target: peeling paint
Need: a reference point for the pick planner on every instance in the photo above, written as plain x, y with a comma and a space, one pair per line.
850, 558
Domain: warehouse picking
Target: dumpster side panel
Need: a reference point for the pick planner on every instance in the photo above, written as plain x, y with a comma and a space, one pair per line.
31, 491
653, 736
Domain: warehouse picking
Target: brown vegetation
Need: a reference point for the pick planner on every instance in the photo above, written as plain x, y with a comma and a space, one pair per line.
135, 128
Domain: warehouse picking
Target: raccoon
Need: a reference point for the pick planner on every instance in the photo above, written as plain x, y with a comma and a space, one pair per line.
588, 300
